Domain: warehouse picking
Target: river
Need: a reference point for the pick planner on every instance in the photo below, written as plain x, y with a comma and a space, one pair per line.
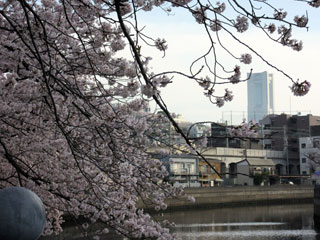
294, 222
276, 222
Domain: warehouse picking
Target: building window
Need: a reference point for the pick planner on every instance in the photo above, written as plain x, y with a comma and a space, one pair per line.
303, 160
177, 167
267, 126
304, 172
293, 120
267, 146
316, 143
303, 145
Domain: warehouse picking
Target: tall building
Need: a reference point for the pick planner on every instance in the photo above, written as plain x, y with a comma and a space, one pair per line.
260, 96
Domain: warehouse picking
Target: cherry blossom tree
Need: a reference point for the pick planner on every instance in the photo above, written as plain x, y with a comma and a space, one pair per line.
72, 126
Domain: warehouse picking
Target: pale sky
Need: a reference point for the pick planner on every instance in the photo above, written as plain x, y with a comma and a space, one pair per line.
187, 41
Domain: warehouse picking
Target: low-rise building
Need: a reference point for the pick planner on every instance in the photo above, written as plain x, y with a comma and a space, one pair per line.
207, 176
249, 169
183, 170
309, 154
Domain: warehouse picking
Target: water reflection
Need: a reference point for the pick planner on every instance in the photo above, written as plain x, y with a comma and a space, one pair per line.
285, 222
292, 222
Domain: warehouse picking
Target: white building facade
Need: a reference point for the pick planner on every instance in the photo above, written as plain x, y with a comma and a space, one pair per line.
230, 156
309, 146
260, 95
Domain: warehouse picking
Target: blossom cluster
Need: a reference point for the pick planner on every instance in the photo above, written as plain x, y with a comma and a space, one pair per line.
300, 89
161, 44
235, 78
314, 3
246, 58
220, 7
286, 40
245, 130
241, 24
301, 21
280, 14
72, 124
215, 25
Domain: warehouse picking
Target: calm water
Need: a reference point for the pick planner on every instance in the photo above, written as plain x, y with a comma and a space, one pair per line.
294, 222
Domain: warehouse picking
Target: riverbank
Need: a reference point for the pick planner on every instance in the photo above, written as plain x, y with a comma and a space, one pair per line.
316, 206
217, 197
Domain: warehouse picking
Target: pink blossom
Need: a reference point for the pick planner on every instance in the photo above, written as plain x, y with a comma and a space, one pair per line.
148, 6
271, 27
75, 126
200, 15
235, 78
280, 14
219, 101
117, 45
205, 83
215, 25
125, 8
161, 44
300, 89
301, 21
245, 129
164, 81
296, 45
228, 95
148, 90
177, 3
314, 3
220, 7
241, 24
246, 58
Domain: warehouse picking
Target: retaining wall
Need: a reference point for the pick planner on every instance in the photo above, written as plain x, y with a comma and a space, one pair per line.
316, 205
236, 196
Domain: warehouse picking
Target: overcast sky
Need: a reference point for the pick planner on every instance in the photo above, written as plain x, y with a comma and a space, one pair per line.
187, 41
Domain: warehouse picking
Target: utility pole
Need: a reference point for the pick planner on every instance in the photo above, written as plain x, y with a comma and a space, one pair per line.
262, 135
227, 137
285, 139
189, 174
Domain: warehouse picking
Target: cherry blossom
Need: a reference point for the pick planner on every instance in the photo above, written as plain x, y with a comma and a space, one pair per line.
314, 3
300, 89
161, 44
301, 21
219, 101
75, 82
272, 28
199, 15
280, 14
241, 24
228, 95
235, 78
215, 26
246, 130
205, 83
246, 58
220, 7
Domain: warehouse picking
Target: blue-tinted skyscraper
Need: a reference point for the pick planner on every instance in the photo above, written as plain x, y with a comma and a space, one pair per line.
260, 96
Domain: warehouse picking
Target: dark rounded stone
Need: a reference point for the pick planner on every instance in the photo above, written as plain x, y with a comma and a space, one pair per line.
22, 214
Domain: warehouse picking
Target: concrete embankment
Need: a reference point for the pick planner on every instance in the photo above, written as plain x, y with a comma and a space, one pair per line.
316, 205
239, 196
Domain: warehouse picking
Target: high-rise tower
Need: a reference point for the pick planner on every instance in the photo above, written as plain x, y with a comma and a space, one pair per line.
260, 95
